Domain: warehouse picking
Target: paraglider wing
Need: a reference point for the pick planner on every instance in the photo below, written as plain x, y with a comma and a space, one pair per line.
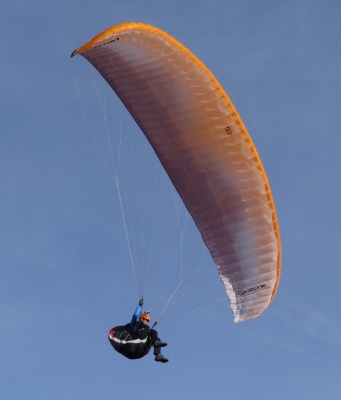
126, 344
206, 151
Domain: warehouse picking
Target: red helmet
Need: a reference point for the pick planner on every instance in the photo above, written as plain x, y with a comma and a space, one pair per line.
145, 316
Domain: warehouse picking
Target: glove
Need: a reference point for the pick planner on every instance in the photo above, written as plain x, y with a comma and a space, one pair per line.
141, 302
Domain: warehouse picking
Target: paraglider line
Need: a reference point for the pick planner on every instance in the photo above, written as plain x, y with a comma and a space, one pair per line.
114, 176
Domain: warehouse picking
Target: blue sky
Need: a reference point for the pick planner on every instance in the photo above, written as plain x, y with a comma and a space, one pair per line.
66, 277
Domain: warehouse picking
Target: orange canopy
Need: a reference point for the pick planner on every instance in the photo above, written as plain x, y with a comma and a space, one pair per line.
206, 151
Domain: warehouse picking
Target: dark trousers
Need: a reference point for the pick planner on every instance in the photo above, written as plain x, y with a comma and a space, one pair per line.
154, 335
155, 338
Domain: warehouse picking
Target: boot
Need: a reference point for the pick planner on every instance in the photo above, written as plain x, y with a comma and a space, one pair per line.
160, 357
157, 343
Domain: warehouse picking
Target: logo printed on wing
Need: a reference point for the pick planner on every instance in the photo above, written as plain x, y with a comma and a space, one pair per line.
240, 292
